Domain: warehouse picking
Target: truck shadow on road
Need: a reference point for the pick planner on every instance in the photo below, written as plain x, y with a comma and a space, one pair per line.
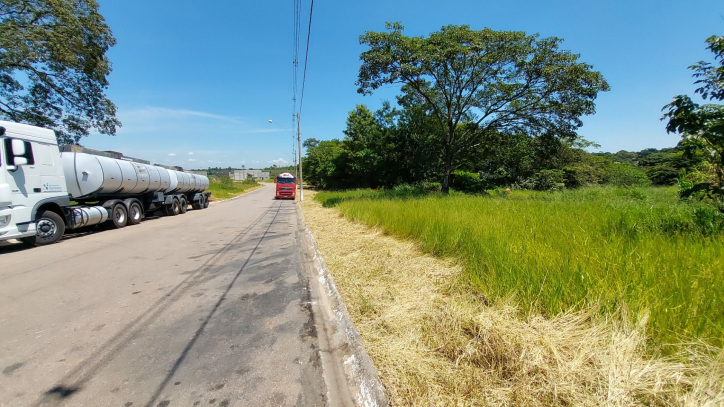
17, 246
74, 381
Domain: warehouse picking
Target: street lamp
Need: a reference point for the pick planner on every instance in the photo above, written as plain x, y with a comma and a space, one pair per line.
299, 151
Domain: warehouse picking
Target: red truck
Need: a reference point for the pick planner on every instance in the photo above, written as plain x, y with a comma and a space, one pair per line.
286, 186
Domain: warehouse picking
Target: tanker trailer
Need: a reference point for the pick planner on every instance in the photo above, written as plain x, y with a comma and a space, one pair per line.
38, 181
130, 188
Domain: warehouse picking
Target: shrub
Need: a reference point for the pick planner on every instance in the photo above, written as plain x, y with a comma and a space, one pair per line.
226, 182
625, 175
468, 182
549, 180
431, 186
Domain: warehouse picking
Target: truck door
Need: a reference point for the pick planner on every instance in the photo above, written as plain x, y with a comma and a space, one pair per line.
23, 179
6, 196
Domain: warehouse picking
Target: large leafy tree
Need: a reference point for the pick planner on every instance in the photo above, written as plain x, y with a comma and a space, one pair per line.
702, 126
473, 82
53, 66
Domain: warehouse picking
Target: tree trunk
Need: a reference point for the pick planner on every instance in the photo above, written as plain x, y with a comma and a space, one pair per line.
446, 181
448, 160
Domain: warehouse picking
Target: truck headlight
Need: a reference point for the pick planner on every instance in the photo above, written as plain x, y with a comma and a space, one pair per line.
4, 220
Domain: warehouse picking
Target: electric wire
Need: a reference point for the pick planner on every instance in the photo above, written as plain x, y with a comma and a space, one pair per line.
306, 57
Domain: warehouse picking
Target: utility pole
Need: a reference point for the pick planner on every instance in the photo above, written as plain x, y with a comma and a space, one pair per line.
294, 159
299, 148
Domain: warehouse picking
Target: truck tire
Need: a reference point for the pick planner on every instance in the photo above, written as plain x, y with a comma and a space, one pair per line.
197, 205
175, 208
183, 205
206, 202
119, 215
50, 228
135, 213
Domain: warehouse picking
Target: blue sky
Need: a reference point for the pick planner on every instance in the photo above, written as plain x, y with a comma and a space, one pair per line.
196, 82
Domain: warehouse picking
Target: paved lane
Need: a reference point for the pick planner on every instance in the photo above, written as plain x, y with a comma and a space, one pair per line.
206, 308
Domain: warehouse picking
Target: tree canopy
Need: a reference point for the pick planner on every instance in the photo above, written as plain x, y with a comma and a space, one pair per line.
54, 68
474, 82
702, 126
393, 146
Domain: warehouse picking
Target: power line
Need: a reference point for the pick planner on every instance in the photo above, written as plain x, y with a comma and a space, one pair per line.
306, 57
296, 29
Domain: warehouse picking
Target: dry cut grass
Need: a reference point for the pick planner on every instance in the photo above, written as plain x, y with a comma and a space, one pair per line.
434, 342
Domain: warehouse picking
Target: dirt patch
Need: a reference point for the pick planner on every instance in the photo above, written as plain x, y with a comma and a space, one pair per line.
435, 343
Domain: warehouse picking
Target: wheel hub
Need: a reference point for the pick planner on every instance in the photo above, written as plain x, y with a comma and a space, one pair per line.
46, 228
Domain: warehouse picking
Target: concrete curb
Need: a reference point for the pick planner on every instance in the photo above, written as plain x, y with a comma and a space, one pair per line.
359, 371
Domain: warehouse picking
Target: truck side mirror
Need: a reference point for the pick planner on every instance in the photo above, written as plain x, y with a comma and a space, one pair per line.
18, 147
18, 152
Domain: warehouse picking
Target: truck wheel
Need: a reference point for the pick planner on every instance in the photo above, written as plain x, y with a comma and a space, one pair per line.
206, 202
119, 215
183, 205
175, 208
135, 214
197, 205
50, 228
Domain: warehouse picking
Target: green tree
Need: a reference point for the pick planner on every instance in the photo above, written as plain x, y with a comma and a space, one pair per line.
474, 82
53, 67
310, 142
702, 126
325, 163
362, 141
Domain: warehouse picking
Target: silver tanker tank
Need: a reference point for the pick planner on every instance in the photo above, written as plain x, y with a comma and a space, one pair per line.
90, 175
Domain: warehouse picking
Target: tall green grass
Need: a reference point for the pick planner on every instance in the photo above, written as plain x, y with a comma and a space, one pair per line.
640, 250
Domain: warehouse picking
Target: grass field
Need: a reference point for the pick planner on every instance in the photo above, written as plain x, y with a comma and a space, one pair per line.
637, 251
225, 190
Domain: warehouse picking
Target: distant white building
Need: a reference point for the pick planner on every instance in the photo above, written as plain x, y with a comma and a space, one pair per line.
242, 175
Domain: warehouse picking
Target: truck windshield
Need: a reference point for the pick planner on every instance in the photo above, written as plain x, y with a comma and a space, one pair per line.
285, 180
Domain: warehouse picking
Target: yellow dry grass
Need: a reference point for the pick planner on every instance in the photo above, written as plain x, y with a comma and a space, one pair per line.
435, 343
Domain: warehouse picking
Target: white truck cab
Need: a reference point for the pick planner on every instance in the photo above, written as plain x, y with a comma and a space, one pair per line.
33, 192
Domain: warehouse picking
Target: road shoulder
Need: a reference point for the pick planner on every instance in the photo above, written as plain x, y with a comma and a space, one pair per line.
349, 373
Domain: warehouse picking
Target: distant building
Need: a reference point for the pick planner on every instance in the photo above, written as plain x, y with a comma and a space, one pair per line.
242, 175
199, 172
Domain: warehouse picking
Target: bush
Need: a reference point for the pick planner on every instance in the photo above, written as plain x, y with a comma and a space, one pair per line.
591, 170
226, 182
709, 219
468, 182
431, 186
625, 175
549, 180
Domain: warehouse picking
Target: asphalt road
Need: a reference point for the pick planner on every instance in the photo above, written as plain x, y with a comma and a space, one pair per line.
209, 308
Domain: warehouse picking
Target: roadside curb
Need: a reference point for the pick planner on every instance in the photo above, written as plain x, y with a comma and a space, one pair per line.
359, 370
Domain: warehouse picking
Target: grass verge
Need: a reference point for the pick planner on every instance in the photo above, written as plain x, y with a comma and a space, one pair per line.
606, 248
436, 341
226, 190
